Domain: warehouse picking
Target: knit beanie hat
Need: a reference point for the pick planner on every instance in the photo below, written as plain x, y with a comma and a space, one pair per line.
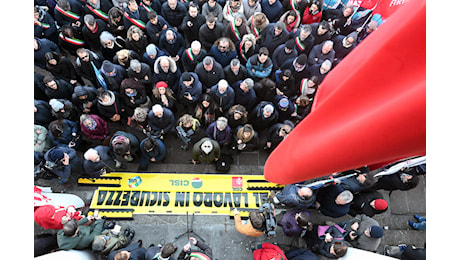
284, 103
380, 204
135, 64
290, 44
302, 59
107, 66
151, 49
56, 105
186, 76
55, 155
376, 232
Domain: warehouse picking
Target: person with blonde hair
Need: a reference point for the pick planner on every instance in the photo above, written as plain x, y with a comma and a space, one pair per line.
136, 40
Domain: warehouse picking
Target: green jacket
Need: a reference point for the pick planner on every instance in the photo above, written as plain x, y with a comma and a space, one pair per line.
199, 155
84, 237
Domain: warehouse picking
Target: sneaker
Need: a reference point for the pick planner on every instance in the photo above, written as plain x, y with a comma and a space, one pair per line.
411, 223
417, 217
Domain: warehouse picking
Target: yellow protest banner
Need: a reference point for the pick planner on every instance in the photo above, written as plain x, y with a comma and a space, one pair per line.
152, 193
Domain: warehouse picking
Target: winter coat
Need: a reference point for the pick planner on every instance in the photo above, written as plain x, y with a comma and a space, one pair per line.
269, 252
171, 77
326, 197
316, 53
92, 38
222, 137
199, 155
101, 130
258, 121
361, 204
44, 46
192, 33
225, 100
165, 123
206, 253
176, 48
88, 91
64, 90
109, 110
83, 239
272, 11
247, 99
289, 223
195, 90
191, 62
43, 115
174, 17
208, 37
106, 161
291, 198
246, 229
209, 78
270, 40
69, 128
261, 70
363, 242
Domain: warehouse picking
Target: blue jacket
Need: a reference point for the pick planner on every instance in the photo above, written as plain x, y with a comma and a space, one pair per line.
159, 153
195, 90
291, 198
223, 58
273, 12
261, 70
69, 128
165, 123
64, 171
107, 160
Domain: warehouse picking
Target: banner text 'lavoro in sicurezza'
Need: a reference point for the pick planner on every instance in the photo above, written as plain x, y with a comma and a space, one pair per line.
152, 193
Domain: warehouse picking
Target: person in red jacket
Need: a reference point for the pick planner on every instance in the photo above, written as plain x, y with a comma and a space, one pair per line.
50, 217
312, 14
269, 252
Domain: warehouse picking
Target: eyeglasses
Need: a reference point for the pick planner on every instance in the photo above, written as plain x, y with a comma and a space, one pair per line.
85, 57
223, 47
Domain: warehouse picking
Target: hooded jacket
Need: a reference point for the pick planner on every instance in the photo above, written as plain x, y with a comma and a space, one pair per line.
171, 77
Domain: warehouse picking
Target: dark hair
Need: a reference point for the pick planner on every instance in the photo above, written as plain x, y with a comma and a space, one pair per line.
56, 128
256, 218
369, 180
149, 144
325, 25
70, 228
303, 220
48, 79
151, 15
263, 51
340, 249
168, 249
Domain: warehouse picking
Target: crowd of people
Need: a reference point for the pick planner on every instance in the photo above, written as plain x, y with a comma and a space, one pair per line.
235, 75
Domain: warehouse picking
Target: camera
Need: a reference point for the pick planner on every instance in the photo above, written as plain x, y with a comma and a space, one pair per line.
44, 170
268, 211
184, 136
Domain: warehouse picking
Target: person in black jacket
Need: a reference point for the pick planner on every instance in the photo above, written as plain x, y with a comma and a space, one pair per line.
92, 30
277, 133
98, 161
210, 32
263, 116
172, 43
110, 106
235, 72
273, 36
174, 12
368, 203
62, 68
191, 24
57, 88
133, 95
209, 73
86, 65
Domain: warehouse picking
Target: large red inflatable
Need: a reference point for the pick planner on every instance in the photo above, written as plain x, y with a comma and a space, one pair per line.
370, 109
